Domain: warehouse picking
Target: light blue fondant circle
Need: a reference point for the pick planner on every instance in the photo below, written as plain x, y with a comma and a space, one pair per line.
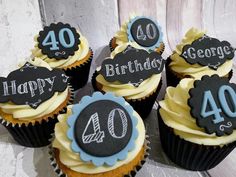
131, 39
77, 109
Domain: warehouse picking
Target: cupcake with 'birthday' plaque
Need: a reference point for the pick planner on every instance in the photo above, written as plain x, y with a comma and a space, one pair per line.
198, 55
133, 73
141, 30
64, 47
100, 136
31, 98
197, 122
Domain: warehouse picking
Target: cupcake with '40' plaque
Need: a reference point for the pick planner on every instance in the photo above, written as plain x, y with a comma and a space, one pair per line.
133, 73
141, 30
198, 55
198, 122
100, 136
62, 46
30, 99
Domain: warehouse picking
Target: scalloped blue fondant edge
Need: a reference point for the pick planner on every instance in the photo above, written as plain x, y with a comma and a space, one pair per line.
131, 39
76, 110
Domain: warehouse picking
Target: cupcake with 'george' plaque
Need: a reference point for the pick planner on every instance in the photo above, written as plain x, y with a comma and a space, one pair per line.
64, 47
100, 136
133, 73
197, 122
144, 31
31, 98
198, 55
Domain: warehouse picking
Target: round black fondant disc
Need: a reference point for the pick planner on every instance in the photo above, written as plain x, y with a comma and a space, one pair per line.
108, 145
149, 30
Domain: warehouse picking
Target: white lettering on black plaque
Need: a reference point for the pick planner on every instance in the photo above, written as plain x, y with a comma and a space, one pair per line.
132, 66
208, 51
31, 85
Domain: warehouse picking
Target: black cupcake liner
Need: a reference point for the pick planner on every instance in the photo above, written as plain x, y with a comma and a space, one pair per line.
34, 135
110, 44
132, 173
79, 74
171, 78
142, 106
93, 81
189, 155
230, 75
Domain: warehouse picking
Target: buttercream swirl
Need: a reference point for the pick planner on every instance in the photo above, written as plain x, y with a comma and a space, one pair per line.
80, 54
27, 113
175, 113
72, 160
182, 68
129, 91
122, 35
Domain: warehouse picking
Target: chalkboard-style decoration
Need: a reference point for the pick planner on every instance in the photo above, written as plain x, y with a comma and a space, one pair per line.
145, 32
213, 104
31, 85
132, 66
102, 129
208, 51
58, 41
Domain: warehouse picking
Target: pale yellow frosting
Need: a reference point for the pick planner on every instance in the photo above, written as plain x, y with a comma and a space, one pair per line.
26, 113
129, 91
175, 113
72, 160
121, 35
183, 68
53, 63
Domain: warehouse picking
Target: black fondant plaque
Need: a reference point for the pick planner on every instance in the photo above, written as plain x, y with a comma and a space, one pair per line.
145, 32
132, 66
213, 104
58, 41
208, 51
31, 85
103, 128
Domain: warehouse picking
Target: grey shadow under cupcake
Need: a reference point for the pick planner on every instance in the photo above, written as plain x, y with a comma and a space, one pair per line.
42, 163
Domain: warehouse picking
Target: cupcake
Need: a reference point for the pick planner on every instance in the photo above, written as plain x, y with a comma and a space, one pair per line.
31, 98
100, 136
195, 122
133, 73
64, 47
141, 30
198, 55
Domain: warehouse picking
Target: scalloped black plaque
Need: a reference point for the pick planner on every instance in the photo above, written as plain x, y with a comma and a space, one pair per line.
58, 41
213, 104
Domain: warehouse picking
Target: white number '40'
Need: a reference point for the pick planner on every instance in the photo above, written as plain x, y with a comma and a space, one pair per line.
98, 135
142, 36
